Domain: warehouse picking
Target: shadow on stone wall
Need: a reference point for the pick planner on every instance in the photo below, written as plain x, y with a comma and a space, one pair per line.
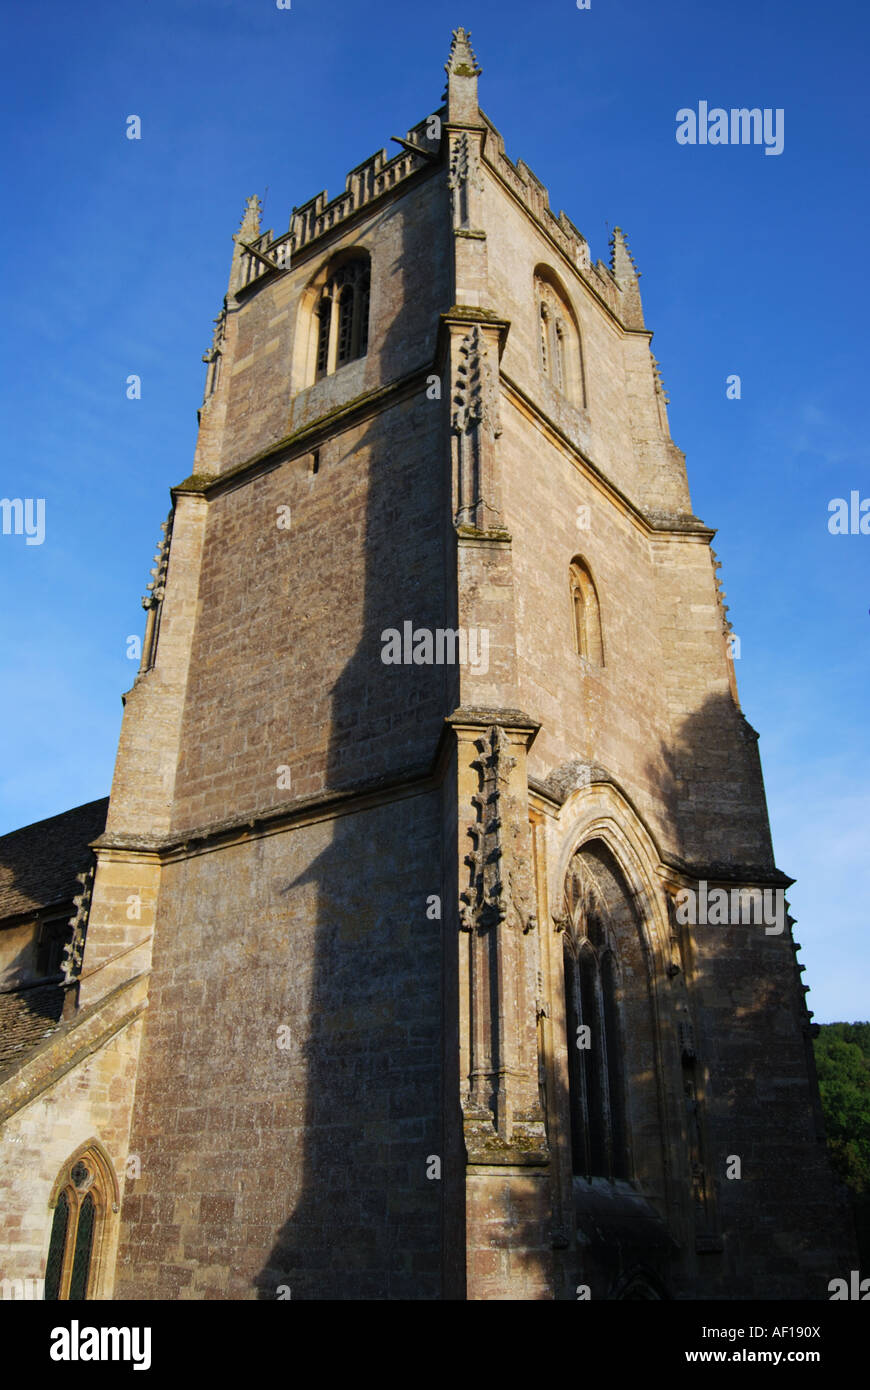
784, 1227
368, 1222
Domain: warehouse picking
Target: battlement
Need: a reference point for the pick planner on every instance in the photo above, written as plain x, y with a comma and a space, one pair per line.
528, 188
377, 176
380, 174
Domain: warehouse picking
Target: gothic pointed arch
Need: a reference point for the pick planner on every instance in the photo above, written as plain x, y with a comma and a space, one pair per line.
560, 345
595, 806
598, 927
607, 885
84, 1199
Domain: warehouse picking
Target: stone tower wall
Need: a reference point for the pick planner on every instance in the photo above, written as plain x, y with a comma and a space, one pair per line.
293, 1159
289, 806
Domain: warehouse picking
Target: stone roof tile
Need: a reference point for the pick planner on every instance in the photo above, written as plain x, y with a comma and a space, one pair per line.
39, 863
26, 1017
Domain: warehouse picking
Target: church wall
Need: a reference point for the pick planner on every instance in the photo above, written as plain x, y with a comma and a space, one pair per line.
660, 717
659, 714
91, 1101
302, 1164
515, 248
612, 715
785, 1236
267, 391
709, 768
287, 668
143, 785
297, 1123
620, 428
776, 1227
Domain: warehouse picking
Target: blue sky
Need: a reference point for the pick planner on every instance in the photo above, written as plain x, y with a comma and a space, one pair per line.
117, 254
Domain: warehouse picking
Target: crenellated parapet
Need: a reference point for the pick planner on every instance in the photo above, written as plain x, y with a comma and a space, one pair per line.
533, 195
263, 253
375, 178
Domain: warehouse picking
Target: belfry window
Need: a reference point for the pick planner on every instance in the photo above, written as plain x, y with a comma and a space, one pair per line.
84, 1194
342, 316
561, 359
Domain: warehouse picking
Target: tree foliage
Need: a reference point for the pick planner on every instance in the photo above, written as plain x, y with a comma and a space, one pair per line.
843, 1063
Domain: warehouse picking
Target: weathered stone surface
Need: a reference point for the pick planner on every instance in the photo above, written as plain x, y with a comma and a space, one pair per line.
374, 904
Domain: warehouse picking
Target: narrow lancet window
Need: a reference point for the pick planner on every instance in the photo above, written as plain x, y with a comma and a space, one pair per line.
588, 640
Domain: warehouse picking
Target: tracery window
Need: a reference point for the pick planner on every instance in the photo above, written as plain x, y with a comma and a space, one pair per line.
84, 1194
588, 640
342, 316
599, 1138
561, 359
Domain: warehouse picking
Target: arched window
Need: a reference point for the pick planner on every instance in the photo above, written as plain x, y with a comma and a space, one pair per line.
342, 316
588, 641
85, 1192
561, 358
597, 1094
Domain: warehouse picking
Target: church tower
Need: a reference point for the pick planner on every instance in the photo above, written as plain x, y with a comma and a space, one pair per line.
437, 882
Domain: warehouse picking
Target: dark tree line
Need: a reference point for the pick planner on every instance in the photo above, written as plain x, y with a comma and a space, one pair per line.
843, 1062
